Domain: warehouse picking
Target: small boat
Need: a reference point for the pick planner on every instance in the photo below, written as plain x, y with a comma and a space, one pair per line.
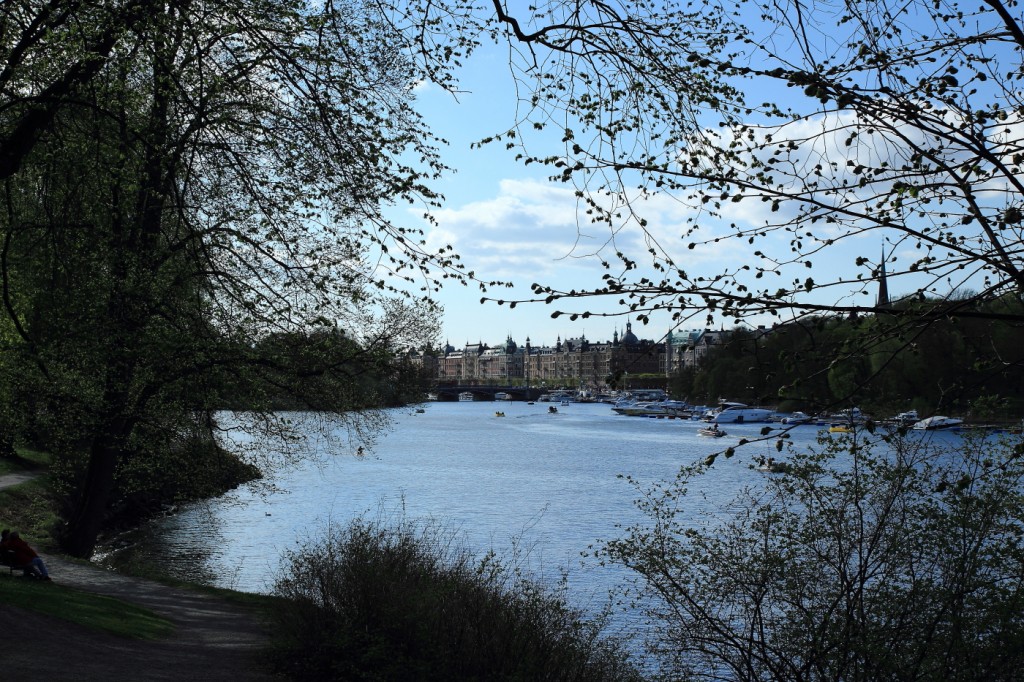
711, 431
420, 410
797, 418
499, 414
466, 397
840, 427
501, 395
938, 423
552, 409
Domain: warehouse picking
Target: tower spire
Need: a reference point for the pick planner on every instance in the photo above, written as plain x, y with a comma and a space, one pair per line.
883, 285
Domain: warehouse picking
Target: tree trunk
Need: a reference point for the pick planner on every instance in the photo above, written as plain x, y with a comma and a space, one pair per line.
86, 522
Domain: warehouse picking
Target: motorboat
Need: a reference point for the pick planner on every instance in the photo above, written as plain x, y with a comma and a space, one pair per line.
711, 431
660, 408
840, 427
797, 418
499, 414
852, 416
938, 423
738, 413
552, 409
908, 418
466, 397
501, 395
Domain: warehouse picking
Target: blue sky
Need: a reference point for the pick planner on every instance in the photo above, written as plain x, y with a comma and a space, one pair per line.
505, 219
508, 222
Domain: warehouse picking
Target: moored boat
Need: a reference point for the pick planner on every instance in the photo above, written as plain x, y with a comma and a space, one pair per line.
908, 418
938, 423
797, 418
738, 413
466, 397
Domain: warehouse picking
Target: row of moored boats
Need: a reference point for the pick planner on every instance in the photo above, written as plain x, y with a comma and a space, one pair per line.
740, 413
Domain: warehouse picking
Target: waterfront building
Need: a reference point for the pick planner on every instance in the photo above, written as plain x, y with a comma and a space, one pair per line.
576, 362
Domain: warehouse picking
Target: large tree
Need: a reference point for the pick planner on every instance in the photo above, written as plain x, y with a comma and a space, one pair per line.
220, 178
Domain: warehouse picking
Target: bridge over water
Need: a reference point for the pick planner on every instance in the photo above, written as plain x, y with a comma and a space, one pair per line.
483, 393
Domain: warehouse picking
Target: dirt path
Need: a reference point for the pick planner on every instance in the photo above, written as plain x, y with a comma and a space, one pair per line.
214, 639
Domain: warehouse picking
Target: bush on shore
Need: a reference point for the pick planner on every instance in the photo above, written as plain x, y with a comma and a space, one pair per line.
373, 601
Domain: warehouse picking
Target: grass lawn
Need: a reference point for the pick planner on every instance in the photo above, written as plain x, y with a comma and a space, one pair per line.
91, 610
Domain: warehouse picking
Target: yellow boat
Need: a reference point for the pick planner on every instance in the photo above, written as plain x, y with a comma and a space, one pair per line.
840, 428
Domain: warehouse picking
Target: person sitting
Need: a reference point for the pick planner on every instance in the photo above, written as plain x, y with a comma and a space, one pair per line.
25, 556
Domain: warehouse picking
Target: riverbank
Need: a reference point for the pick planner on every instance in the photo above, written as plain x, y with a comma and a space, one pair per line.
213, 638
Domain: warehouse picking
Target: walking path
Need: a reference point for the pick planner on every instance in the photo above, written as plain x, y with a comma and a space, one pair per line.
214, 639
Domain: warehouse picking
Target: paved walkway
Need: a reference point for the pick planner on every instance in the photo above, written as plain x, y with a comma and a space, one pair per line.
8, 480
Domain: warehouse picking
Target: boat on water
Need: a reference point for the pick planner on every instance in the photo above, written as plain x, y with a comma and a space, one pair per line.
552, 409
659, 408
798, 418
466, 397
840, 427
711, 431
938, 423
501, 395
499, 414
737, 413
908, 418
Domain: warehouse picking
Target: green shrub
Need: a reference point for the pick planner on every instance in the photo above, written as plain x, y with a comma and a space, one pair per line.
878, 557
377, 602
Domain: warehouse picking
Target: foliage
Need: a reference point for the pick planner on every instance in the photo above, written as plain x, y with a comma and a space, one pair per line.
878, 556
395, 603
194, 181
828, 361
30, 508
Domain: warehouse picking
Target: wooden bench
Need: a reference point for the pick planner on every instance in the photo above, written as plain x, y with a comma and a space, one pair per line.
8, 561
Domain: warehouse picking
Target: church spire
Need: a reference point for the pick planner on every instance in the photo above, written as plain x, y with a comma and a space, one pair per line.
883, 285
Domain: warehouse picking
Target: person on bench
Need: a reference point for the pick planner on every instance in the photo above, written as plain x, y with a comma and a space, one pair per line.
24, 555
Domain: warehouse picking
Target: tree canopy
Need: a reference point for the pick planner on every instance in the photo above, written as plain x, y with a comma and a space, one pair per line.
184, 183
825, 143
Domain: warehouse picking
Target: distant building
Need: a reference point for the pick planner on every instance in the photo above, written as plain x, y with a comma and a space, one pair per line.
577, 361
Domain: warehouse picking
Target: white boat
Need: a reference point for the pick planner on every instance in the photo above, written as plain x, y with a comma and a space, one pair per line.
852, 416
797, 418
466, 397
738, 413
711, 431
907, 418
937, 423
501, 395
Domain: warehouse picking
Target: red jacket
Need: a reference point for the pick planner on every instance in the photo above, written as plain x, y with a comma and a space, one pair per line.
23, 554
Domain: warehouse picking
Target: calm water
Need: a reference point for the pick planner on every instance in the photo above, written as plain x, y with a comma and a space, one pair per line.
549, 480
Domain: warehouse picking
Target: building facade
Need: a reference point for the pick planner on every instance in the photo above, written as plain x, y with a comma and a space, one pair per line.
576, 362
